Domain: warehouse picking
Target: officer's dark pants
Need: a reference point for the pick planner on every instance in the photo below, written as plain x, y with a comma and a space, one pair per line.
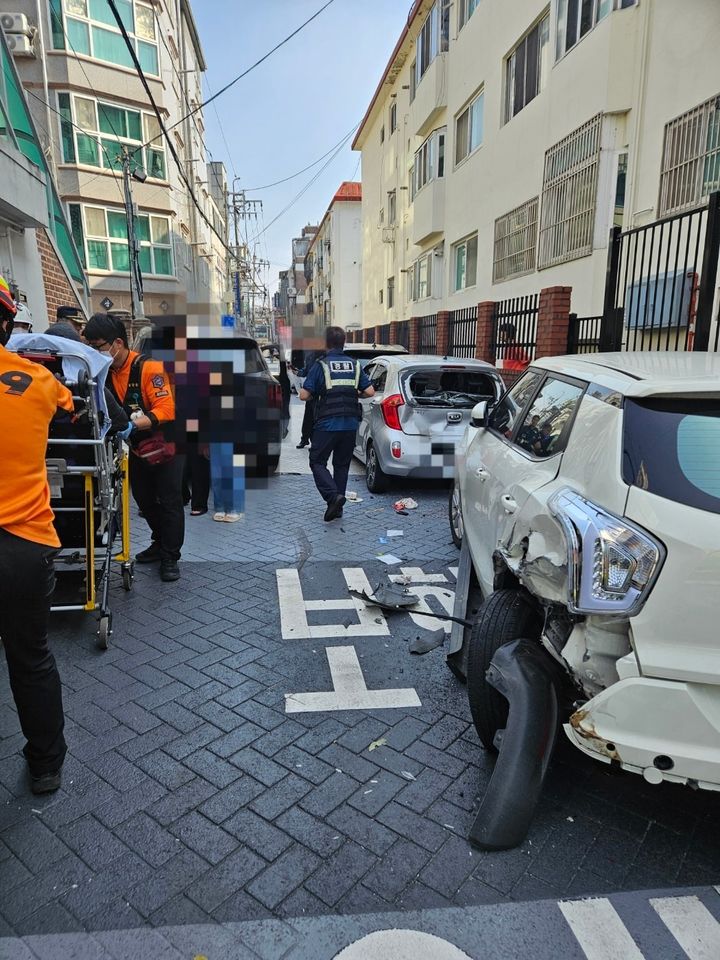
196, 480
27, 581
158, 493
308, 420
339, 443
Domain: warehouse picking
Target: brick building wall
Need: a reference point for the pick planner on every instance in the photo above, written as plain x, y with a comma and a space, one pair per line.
59, 291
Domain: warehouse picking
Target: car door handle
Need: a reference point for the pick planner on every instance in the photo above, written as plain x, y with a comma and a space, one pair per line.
482, 473
509, 503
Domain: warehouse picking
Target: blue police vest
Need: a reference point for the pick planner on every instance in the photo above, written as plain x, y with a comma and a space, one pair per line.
342, 379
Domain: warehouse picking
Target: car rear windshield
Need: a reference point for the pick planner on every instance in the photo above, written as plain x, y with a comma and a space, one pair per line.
671, 447
449, 388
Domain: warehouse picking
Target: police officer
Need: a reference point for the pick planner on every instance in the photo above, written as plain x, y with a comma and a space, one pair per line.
335, 384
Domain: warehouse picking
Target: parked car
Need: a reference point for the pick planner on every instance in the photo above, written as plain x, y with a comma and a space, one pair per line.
365, 352
589, 507
421, 407
258, 398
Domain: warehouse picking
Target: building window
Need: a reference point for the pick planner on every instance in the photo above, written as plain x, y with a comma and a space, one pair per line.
382, 134
569, 195
393, 118
429, 163
102, 234
515, 242
391, 293
467, 9
469, 128
465, 263
575, 18
88, 27
690, 169
391, 208
433, 39
94, 133
413, 85
421, 278
381, 295
526, 69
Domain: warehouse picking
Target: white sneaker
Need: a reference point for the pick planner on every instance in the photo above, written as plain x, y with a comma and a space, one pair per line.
233, 517
219, 517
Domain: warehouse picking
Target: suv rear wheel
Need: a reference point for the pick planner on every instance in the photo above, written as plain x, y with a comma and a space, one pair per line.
376, 479
455, 516
506, 615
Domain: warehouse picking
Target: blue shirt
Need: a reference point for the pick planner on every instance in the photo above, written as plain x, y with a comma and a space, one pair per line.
315, 384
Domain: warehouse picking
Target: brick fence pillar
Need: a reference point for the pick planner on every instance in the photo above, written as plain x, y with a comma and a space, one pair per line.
442, 343
414, 335
378, 333
484, 331
553, 321
393, 335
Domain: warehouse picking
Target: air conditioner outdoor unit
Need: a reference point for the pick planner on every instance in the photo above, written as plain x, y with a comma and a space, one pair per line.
15, 23
292, 291
20, 45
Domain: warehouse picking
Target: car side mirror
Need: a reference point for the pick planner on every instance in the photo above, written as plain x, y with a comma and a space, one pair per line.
479, 415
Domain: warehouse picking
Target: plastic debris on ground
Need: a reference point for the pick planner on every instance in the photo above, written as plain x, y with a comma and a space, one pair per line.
352, 497
395, 533
389, 558
407, 503
432, 641
377, 743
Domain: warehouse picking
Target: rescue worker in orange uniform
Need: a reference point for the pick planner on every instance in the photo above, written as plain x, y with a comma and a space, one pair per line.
143, 389
30, 396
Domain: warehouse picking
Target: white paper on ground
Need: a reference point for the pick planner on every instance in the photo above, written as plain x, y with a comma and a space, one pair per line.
395, 533
389, 559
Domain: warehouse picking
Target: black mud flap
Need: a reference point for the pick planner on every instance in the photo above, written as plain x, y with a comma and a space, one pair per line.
529, 679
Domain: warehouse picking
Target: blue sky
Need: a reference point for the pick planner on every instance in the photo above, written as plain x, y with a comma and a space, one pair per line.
298, 104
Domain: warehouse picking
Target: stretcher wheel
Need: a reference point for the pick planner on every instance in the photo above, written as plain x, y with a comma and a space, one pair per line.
128, 575
104, 632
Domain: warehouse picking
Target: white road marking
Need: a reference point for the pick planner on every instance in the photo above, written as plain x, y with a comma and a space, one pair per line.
599, 930
416, 575
422, 586
294, 609
692, 925
401, 945
350, 691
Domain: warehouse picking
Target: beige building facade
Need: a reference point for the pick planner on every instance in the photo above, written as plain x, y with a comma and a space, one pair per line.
503, 144
90, 105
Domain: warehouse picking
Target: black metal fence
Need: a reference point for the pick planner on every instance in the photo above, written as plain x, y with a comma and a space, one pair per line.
515, 331
403, 334
427, 332
661, 283
584, 334
462, 333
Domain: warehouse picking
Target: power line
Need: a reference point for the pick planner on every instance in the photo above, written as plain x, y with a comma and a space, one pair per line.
171, 146
257, 63
304, 169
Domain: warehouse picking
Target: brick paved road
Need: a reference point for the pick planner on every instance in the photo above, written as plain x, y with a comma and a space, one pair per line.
191, 797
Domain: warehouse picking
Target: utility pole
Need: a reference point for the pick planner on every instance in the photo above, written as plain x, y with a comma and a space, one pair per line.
244, 210
137, 308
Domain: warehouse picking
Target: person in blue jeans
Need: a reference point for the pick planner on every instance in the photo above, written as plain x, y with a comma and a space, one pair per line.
335, 383
227, 471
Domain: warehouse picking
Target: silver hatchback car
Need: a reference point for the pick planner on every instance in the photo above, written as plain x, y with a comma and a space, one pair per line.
421, 407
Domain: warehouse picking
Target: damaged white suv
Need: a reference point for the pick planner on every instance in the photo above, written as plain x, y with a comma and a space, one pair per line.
588, 504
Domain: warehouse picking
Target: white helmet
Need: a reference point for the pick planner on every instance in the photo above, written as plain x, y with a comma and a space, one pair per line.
23, 318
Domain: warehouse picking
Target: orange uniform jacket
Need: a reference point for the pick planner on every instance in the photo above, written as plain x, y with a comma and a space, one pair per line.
30, 396
157, 394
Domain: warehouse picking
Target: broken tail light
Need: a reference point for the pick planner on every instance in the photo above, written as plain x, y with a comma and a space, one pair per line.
612, 563
390, 407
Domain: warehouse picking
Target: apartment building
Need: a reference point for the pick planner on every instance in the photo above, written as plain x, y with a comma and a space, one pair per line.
89, 104
293, 300
38, 257
334, 262
504, 141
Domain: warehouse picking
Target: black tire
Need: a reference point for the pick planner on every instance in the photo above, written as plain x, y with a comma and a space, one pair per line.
104, 632
455, 516
375, 479
506, 615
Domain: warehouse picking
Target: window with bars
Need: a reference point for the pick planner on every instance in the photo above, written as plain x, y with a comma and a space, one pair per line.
469, 128
88, 27
576, 18
569, 195
515, 242
526, 68
94, 133
429, 161
690, 169
101, 233
465, 263
466, 9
